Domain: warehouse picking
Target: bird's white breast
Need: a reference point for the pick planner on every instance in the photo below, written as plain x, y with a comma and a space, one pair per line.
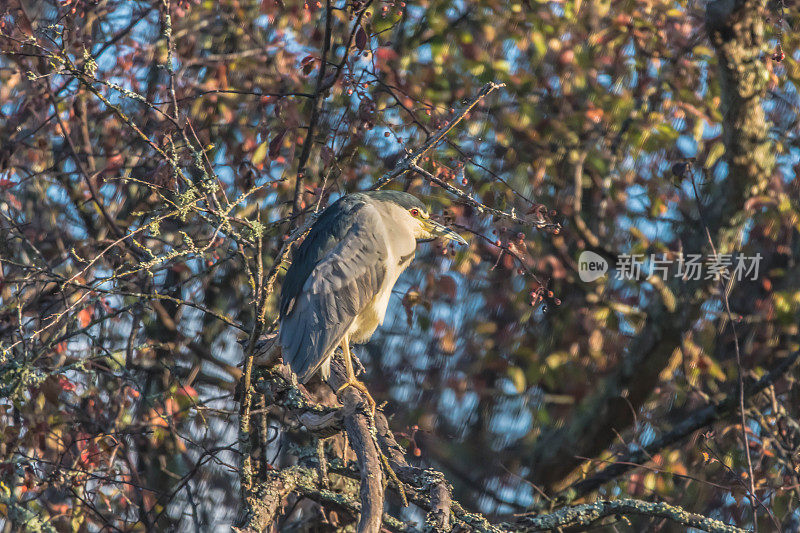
398, 226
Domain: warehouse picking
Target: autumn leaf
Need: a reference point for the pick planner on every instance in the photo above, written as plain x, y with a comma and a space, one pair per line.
447, 287
361, 39
259, 154
65, 384
15, 203
85, 316
276, 143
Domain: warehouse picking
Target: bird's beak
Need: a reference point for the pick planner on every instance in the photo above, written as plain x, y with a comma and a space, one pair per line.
441, 230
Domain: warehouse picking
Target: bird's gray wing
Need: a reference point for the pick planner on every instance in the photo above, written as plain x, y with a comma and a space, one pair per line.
337, 289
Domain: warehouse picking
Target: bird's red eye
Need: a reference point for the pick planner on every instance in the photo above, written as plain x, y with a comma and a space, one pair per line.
415, 212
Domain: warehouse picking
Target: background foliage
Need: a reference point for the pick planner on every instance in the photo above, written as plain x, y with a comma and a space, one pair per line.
155, 155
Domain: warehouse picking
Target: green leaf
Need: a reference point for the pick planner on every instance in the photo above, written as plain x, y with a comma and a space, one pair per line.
714, 154
260, 153
517, 377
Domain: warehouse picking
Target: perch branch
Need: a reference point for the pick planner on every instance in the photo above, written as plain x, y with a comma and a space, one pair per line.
426, 488
358, 426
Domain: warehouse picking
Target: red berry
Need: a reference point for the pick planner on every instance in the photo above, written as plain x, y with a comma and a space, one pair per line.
498, 243
464, 181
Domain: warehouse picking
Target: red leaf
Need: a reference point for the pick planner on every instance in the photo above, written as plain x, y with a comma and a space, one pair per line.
114, 162
85, 316
361, 38
276, 143
447, 287
13, 201
187, 391
65, 384
383, 55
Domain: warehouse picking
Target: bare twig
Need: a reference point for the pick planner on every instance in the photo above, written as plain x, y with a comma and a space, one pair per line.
690, 423
411, 159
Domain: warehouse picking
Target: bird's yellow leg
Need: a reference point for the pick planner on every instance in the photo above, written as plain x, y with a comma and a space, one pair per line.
351, 377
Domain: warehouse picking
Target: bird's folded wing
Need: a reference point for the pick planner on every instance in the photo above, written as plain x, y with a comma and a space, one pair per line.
336, 291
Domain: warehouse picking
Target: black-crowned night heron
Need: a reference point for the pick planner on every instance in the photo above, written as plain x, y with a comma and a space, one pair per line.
337, 288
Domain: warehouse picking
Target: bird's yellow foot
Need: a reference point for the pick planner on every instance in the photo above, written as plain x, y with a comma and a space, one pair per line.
363, 388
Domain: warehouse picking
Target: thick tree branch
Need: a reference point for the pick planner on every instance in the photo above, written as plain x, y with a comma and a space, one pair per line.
426, 488
587, 514
266, 500
432, 483
358, 426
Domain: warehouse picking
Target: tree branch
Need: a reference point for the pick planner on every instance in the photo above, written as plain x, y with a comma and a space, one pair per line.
426, 488
358, 426
588, 513
411, 159
699, 419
